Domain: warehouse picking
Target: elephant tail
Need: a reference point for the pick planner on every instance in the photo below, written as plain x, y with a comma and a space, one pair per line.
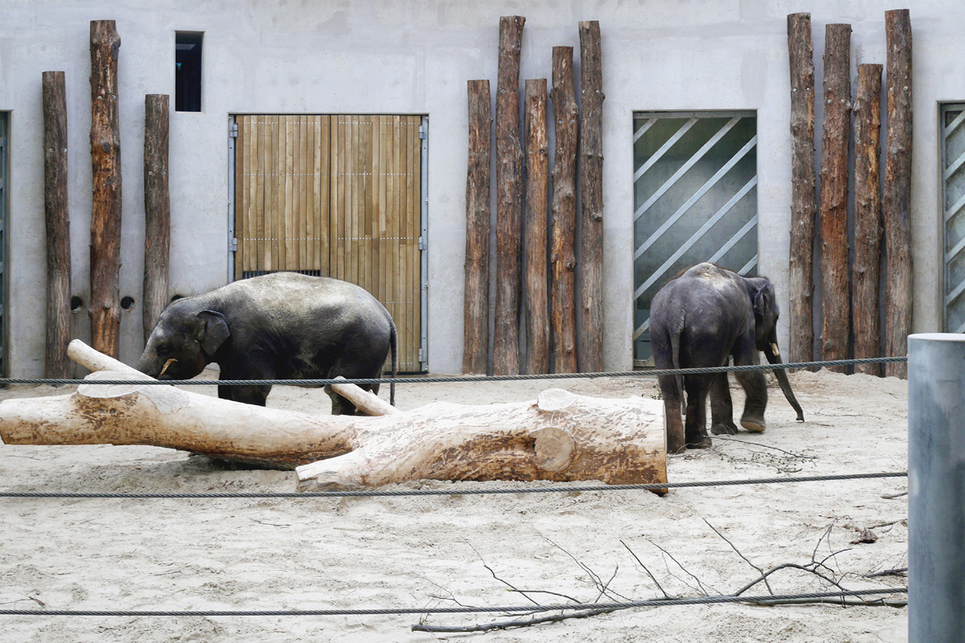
675, 356
393, 346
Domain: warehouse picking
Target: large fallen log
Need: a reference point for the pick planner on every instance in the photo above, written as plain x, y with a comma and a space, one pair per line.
559, 437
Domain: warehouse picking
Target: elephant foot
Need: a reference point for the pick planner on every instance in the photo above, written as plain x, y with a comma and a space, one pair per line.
724, 428
753, 423
704, 442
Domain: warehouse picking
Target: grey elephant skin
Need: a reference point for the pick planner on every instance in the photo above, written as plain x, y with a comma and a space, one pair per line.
701, 318
277, 326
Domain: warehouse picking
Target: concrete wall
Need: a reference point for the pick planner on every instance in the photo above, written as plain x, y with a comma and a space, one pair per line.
415, 56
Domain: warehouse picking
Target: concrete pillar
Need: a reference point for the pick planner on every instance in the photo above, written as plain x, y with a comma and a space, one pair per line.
936, 485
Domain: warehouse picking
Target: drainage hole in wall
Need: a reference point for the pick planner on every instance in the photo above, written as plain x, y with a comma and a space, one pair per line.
127, 303
76, 303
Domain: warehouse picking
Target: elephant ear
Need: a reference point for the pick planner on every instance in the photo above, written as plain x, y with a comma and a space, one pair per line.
762, 295
214, 330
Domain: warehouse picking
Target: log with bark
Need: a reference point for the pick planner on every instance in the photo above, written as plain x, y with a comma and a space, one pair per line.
559, 437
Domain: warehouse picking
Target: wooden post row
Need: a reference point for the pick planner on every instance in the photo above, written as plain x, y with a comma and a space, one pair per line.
157, 210
867, 218
509, 198
803, 188
836, 301
591, 190
562, 253
475, 354
896, 204
105, 227
535, 231
57, 216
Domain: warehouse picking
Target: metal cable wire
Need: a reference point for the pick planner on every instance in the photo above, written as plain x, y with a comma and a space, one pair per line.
449, 492
511, 609
464, 378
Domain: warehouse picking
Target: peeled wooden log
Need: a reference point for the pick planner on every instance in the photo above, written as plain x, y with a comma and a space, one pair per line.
165, 416
559, 437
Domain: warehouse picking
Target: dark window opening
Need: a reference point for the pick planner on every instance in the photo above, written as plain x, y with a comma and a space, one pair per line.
187, 64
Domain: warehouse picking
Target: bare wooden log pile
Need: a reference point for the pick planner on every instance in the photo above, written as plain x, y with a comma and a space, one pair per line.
896, 204
559, 437
803, 188
509, 198
536, 231
836, 300
475, 354
57, 217
591, 191
563, 230
157, 210
105, 225
867, 218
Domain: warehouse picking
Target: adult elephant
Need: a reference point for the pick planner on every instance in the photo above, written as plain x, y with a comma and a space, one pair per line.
277, 326
699, 319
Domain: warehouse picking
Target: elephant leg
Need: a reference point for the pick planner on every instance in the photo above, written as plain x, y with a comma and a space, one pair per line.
721, 407
672, 416
756, 389
256, 395
696, 425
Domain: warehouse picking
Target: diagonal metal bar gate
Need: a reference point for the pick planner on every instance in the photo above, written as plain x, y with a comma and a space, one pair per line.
695, 199
953, 206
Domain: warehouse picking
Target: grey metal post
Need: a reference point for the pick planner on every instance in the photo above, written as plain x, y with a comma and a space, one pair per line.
936, 485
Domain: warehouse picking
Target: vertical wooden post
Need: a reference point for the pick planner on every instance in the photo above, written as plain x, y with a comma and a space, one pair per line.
475, 352
157, 209
509, 198
834, 192
896, 203
591, 189
57, 216
867, 218
804, 205
562, 253
536, 222
105, 225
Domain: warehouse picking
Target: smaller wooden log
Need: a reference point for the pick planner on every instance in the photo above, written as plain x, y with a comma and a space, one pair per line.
57, 217
804, 205
562, 246
475, 351
535, 231
509, 199
157, 210
836, 300
896, 202
591, 190
867, 218
365, 401
105, 225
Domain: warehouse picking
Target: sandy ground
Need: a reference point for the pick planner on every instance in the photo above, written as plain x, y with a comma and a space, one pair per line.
488, 550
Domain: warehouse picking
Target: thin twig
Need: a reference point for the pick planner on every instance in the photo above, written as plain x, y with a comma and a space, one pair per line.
746, 560
652, 577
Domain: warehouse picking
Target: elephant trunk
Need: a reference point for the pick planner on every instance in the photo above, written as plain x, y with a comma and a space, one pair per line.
773, 355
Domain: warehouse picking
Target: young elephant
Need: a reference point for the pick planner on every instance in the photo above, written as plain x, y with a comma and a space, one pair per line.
699, 319
278, 326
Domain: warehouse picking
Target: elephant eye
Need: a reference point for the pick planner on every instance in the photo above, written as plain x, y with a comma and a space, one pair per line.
163, 350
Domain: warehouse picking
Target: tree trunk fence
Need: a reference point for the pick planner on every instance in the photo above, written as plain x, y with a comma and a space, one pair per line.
556, 297
851, 302
57, 215
476, 329
105, 230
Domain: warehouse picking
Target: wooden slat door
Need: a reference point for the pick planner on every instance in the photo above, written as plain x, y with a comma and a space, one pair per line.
336, 196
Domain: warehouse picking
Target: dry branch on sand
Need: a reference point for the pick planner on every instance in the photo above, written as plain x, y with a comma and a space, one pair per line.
559, 437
